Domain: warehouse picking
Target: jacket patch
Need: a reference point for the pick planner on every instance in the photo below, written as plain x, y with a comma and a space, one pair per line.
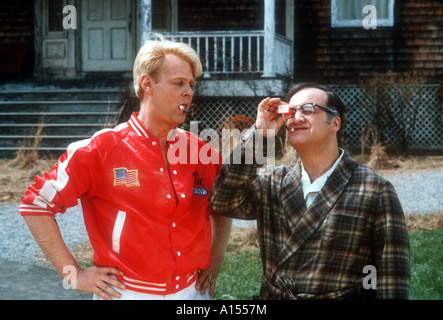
198, 185
128, 178
199, 191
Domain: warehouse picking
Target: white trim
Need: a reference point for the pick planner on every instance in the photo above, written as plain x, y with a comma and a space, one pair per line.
33, 208
191, 276
144, 282
138, 128
144, 285
117, 231
129, 285
36, 211
151, 286
133, 126
341, 23
48, 192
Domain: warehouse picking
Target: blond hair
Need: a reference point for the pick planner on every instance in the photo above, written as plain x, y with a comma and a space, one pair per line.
150, 59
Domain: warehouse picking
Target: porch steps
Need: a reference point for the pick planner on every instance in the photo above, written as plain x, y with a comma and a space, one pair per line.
63, 115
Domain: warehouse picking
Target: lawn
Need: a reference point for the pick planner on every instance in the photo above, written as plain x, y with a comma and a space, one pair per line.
240, 275
427, 265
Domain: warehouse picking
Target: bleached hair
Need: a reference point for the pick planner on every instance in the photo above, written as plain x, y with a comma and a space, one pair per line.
150, 58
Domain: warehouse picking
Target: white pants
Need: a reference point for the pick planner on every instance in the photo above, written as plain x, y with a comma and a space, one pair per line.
189, 293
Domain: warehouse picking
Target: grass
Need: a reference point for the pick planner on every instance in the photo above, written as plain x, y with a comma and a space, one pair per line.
427, 265
240, 275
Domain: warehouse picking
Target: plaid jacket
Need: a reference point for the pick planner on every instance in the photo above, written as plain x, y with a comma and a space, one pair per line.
356, 220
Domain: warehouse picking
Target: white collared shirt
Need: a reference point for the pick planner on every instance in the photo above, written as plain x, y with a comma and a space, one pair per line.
311, 190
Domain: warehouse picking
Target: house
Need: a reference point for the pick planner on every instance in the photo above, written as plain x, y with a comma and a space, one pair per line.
335, 43
69, 60
92, 38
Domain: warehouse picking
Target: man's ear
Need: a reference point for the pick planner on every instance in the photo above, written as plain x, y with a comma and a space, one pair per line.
335, 124
146, 83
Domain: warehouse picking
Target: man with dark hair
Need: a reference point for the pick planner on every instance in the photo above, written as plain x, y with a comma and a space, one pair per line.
329, 228
332, 100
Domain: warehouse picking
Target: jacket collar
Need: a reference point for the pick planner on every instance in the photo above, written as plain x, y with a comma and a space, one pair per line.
137, 126
304, 222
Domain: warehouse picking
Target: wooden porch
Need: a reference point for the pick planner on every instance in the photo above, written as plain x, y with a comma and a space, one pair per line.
238, 52
263, 49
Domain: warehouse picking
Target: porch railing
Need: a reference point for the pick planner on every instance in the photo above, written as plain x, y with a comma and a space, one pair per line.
239, 52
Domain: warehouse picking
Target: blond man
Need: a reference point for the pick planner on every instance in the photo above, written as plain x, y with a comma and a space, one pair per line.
147, 219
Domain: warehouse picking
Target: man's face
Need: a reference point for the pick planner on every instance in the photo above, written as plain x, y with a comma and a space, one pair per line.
172, 89
314, 129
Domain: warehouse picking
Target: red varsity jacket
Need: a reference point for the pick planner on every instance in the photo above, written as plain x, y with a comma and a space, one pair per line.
150, 222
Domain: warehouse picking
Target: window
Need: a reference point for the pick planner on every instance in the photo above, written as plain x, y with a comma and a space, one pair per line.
160, 15
55, 18
349, 13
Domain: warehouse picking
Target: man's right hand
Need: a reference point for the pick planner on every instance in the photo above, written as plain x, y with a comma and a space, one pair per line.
268, 118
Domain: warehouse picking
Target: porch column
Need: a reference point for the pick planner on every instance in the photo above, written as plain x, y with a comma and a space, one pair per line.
290, 32
269, 42
289, 7
146, 21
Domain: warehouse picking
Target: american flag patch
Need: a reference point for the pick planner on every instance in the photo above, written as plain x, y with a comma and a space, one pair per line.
123, 176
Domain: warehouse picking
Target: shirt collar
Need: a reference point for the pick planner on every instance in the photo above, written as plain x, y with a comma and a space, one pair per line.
318, 184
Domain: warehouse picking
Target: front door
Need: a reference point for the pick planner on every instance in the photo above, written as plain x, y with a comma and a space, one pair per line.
107, 39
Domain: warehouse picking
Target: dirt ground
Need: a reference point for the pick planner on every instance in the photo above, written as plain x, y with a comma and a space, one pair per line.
14, 179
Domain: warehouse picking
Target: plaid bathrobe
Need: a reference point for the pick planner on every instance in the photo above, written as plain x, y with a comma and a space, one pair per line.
321, 252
